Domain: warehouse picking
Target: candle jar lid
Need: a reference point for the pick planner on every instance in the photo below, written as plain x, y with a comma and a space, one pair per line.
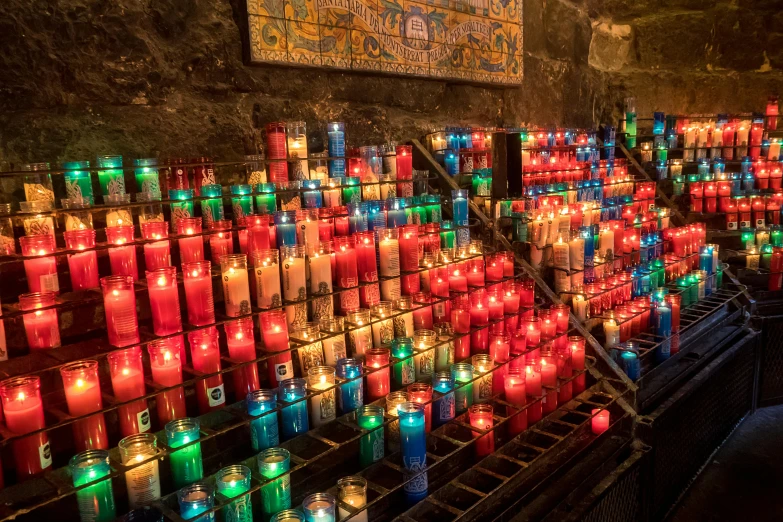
402, 347
319, 506
308, 332
35, 300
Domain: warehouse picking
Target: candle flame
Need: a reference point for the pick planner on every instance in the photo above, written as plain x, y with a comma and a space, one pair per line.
41, 252
277, 329
189, 231
161, 281
125, 371
167, 356
21, 396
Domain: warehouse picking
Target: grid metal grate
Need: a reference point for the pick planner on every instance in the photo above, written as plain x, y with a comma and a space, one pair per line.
685, 430
771, 367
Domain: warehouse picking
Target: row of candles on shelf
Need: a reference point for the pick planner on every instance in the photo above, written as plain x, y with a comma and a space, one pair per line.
168, 355
24, 410
760, 174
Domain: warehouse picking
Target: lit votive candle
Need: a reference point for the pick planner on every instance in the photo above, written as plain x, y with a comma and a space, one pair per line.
166, 366
371, 445
319, 507
274, 463
41, 326
164, 300
41, 272
236, 287
481, 417
352, 495
413, 445
122, 258
83, 265
182, 437
293, 416
274, 330
83, 396
483, 370
194, 500
156, 254
377, 365
263, 429
197, 279
127, 379
24, 413
96, 501
191, 246
119, 303
232, 483
600, 421
242, 348
323, 407
205, 356
142, 480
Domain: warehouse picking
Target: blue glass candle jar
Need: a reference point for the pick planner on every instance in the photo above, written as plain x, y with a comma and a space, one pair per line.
312, 197
351, 394
285, 228
413, 446
293, 416
357, 217
395, 214
459, 199
263, 430
443, 409
320, 507
336, 147
195, 500
451, 162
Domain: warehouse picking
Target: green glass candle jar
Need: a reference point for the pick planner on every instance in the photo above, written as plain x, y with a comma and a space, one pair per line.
78, 181
274, 463
96, 502
233, 482
371, 445
351, 190
434, 214
403, 369
146, 172
181, 205
241, 201
266, 201
448, 237
110, 175
212, 206
186, 462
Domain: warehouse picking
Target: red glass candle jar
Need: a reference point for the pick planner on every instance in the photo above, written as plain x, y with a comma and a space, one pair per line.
122, 258
127, 380
164, 300
242, 348
41, 326
83, 396
205, 356
83, 266
376, 363
166, 366
41, 272
156, 254
24, 413
274, 331
191, 248
119, 303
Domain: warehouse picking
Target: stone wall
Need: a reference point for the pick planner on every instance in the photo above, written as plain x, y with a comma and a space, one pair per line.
140, 77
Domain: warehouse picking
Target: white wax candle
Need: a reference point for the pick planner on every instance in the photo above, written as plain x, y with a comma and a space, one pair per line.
390, 257
294, 280
236, 291
577, 253
268, 286
579, 305
307, 233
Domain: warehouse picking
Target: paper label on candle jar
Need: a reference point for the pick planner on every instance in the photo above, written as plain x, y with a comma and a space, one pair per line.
732, 225
284, 371
143, 484
418, 484
216, 396
760, 222
143, 418
745, 224
49, 283
45, 455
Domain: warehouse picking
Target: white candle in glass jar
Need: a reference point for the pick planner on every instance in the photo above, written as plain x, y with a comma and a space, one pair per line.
307, 233
294, 280
268, 285
576, 256
236, 291
390, 257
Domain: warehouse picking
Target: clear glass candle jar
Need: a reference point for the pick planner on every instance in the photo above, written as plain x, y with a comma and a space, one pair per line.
142, 480
236, 288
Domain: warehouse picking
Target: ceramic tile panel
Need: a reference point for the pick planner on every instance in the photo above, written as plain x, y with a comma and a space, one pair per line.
470, 40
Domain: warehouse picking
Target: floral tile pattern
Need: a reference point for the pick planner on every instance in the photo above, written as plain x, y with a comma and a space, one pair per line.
464, 40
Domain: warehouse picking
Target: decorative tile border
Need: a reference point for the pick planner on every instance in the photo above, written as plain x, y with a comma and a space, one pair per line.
472, 41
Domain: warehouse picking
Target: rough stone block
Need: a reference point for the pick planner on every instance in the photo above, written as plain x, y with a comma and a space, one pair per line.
611, 47
567, 31
673, 40
740, 39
